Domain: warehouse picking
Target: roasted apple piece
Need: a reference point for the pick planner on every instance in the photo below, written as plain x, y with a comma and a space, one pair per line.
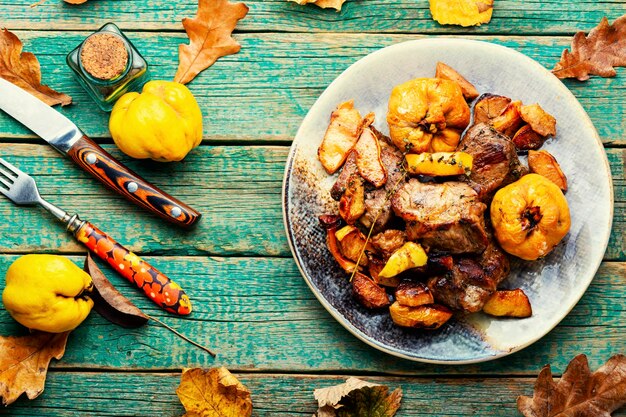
439, 163
410, 255
431, 316
375, 266
526, 138
510, 120
368, 293
488, 107
341, 135
446, 72
331, 224
368, 160
352, 201
509, 303
352, 243
539, 120
544, 164
413, 294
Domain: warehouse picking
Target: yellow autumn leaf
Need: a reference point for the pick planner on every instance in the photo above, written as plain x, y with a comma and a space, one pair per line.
213, 392
461, 12
324, 4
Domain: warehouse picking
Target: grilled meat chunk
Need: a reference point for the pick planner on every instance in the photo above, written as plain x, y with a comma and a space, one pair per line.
388, 242
446, 217
471, 281
347, 172
495, 160
376, 200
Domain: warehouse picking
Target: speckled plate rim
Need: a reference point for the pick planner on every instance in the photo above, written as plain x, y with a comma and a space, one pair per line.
363, 62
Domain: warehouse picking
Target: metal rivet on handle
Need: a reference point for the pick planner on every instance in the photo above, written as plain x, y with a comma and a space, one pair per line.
91, 158
176, 211
132, 187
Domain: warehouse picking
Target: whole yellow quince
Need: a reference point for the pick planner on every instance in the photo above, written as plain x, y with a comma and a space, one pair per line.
163, 123
47, 292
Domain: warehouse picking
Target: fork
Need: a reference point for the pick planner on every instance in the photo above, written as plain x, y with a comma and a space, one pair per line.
21, 188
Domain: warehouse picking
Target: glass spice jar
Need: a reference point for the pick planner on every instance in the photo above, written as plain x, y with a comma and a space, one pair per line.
108, 65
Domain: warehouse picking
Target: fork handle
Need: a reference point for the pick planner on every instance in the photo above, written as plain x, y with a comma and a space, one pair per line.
103, 166
156, 285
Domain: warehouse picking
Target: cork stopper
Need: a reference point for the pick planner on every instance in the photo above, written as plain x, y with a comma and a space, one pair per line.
104, 56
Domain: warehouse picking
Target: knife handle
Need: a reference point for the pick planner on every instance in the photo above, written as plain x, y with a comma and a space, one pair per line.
99, 163
159, 288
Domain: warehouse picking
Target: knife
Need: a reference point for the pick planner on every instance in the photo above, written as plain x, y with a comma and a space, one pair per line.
68, 139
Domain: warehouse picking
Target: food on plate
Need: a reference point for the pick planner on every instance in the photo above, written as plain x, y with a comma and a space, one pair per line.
48, 293
431, 316
368, 159
439, 163
489, 106
163, 123
509, 303
368, 293
342, 134
427, 115
413, 229
409, 256
446, 72
530, 217
495, 161
539, 120
472, 280
461, 12
544, 164
413, 294
446, 217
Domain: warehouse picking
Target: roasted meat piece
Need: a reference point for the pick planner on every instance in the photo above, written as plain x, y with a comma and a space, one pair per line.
445, 217
347, 172
472, 280
376, 200
389, 241
495, 160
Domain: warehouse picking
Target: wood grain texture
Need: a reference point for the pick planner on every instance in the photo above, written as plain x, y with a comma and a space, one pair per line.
262, 93
236, 188
404, 16
149, 395
259, 315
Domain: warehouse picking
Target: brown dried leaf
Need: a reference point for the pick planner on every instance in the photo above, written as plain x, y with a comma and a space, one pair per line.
109, 302
23, 70
461, 12
213, 392
357, 398
24, 363
579, 392
324, 4
210, 37
596, 54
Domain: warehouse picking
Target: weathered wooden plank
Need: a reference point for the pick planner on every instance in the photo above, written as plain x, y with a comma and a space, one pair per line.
263, 92
404, 16
258, 314
138, 394
236, 188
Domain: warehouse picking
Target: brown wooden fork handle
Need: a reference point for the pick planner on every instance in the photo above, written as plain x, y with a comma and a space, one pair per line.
100, 164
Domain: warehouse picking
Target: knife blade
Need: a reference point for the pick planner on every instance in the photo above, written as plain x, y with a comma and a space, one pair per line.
68, 139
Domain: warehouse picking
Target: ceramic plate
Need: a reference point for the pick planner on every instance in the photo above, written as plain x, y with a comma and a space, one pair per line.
554, 284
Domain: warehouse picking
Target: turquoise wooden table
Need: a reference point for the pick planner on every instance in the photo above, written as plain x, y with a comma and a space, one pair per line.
251, 304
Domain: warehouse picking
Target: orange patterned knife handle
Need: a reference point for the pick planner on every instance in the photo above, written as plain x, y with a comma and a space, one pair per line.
103, 166
158, 287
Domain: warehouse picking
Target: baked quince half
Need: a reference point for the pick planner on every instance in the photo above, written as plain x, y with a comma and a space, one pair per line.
427, 115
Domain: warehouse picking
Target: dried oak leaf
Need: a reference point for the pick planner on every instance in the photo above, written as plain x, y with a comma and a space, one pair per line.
595, 54
23, 70
324, 4
579, 392
24, 363
109, 302
357, 398
461, 12
213, 392
210, 37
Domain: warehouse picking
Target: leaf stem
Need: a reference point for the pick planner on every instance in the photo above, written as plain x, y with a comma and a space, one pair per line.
185, 338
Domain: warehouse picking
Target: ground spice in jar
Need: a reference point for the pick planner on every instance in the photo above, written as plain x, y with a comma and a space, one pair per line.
104, 56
